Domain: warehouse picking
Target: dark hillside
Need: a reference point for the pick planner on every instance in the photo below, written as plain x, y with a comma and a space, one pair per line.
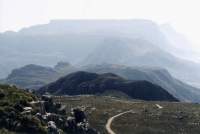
90, 83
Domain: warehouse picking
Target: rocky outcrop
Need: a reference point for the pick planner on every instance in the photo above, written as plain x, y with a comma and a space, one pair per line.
23, 112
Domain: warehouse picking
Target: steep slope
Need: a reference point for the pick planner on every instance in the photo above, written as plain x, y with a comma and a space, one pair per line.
140, 52
157, 76
35, 76
91, 83
123, 51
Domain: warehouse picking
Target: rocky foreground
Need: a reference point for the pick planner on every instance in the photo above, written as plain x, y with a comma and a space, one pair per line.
23, 112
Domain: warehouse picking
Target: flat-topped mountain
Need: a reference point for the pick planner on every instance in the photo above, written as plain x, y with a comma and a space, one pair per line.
69, 40
91, 83
129, 42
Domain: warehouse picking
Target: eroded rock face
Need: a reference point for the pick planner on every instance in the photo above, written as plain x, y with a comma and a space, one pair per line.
52, 128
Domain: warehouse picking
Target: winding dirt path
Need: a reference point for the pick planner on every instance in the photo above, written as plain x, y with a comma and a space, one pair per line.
109, 122
159, 106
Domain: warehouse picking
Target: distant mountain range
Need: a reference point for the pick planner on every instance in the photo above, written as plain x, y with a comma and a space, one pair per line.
35, 76
85, 41
141, 44
91, 83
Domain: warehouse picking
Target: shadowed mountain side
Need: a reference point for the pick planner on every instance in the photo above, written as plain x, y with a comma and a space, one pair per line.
154, 75
34, 77
90, 83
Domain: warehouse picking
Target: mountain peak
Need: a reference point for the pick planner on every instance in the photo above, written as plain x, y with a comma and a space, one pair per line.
62, 65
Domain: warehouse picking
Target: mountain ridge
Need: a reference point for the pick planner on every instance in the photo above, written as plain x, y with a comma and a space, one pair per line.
82, 82
155, 75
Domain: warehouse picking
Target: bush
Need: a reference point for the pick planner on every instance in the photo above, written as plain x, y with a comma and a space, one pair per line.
2, 94
31, 124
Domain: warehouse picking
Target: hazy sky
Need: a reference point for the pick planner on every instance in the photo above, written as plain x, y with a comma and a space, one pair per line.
182, 14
